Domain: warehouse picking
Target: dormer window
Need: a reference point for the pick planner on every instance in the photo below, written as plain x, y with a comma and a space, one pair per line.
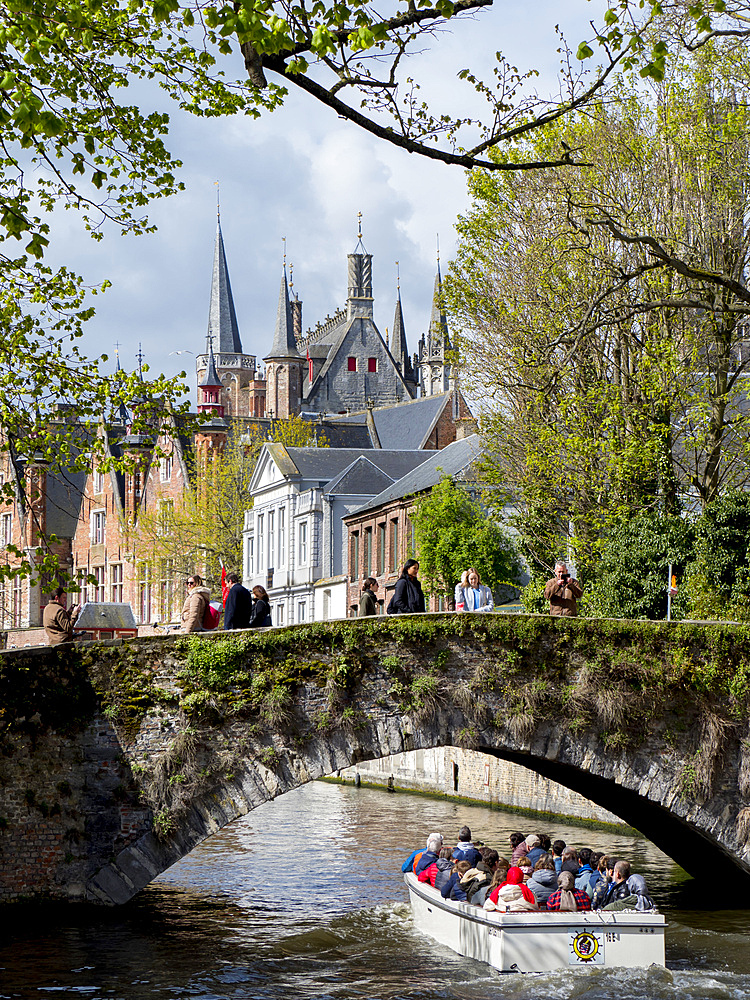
352, 364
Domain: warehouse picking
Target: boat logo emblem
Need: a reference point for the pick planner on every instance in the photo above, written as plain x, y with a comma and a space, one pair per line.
586, 947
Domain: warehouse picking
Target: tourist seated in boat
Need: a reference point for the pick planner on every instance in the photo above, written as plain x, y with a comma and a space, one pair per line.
536, 850
518, 846
597, 874
570, 861
476, 882
618, 889
512, 895
525, 865
637, 886
606, 868
465, 849
558, 846
585, 870
567, 897
430, 856
453, 888
408, 865
543, 881
438, 873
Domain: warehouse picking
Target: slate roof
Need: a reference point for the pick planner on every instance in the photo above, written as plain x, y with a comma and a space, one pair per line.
222, 319
64, 494
402, 425
360, 478
327, 464
452, 460
105, 615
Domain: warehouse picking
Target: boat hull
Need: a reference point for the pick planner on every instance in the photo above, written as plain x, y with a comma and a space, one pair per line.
539, 942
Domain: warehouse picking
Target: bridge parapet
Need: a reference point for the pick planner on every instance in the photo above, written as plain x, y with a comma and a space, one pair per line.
116, 759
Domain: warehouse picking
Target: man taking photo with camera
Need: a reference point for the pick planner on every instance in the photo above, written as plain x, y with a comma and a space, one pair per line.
563, 592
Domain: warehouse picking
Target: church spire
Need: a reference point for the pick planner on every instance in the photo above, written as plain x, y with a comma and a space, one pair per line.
284, 342
223, 329
438, 330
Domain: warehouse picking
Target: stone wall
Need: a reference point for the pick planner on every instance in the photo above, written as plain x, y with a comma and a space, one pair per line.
459, 773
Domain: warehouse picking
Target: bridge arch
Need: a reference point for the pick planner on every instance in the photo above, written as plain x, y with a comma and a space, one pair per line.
175, 738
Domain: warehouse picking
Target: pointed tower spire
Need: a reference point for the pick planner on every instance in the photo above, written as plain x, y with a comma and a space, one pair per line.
438, 330
210, 387
211, 377
284, 342
222, 319
399, 347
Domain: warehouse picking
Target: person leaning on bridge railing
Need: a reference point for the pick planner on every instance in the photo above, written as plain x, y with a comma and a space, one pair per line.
472, 595
195, 604
563, 592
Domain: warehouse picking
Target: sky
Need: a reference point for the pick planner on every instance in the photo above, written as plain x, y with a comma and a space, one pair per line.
303, 174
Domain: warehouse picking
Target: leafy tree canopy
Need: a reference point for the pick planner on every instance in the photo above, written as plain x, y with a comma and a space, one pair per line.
453, 532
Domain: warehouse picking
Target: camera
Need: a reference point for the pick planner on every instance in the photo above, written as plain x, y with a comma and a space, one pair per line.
565, 576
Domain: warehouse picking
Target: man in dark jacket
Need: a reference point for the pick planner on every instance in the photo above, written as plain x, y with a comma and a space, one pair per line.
238, 607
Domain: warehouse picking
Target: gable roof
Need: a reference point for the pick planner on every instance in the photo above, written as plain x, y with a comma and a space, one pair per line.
360, 478
452, 460
405, 425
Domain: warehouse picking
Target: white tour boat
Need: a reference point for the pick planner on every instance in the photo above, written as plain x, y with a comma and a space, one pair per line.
539, 942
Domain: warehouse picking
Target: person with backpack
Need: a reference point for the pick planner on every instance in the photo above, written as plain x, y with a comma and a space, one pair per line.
407, 598
196, 602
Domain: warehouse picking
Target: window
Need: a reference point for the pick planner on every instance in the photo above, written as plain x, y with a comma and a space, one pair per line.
354, 567
261, 524
115, 582
368, 552
98, 592
249, 557
166, 516
6, 529
270, 538
136, 488
166, 468
98, 522
393, 566
17, 598
303, 543
302, 611
83, 587
282, 537
372, 364
166, 589
144, 592
411, 538
381, 548
279, 614
352, 364
98, 482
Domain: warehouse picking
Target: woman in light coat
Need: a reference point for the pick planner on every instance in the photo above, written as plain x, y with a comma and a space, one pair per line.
472, 595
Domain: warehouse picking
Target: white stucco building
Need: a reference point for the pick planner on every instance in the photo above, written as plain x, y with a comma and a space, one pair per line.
294, 540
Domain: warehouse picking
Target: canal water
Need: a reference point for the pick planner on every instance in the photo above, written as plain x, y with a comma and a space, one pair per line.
304, 898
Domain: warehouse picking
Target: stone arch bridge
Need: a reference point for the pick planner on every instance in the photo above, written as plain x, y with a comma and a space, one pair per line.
118, 758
